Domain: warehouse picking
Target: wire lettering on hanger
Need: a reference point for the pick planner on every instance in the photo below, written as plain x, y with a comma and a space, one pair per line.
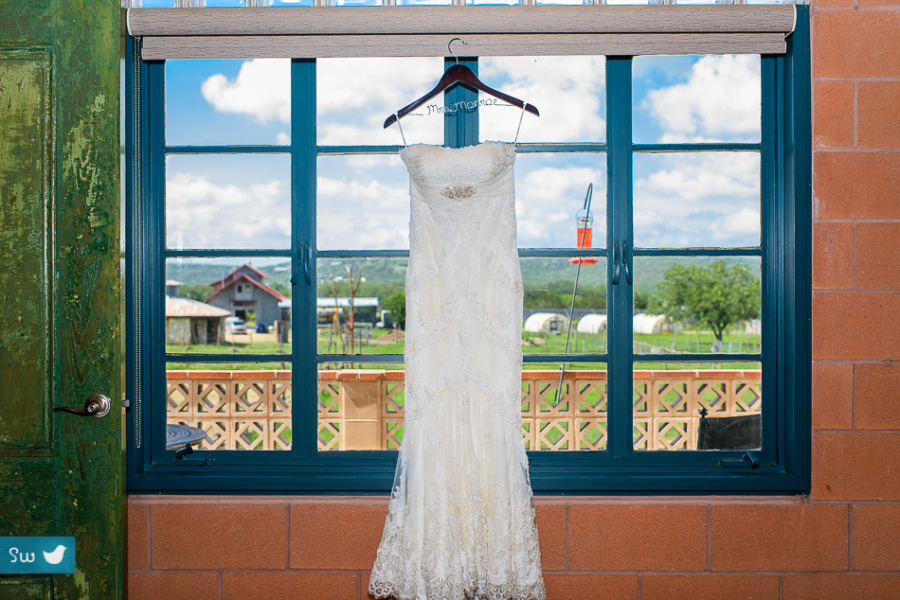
452, 108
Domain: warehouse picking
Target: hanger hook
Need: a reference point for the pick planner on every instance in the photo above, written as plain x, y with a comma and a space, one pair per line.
451, 51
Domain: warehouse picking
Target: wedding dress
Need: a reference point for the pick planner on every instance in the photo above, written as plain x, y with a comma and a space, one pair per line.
460, 521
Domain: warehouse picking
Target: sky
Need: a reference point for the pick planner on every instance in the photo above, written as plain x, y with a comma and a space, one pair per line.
680, 199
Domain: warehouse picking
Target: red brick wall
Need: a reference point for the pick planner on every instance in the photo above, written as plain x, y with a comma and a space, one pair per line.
842, 542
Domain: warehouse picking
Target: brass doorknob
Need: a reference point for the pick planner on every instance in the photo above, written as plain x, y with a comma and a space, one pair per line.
97, 405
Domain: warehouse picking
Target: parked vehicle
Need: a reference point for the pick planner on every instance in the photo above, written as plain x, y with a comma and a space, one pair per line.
234, 325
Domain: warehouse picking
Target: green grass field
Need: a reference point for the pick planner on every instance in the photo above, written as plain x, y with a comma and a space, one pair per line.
381, 341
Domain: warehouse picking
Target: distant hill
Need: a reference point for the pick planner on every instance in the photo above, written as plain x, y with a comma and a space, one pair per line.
650, 271
391, 272
197, 274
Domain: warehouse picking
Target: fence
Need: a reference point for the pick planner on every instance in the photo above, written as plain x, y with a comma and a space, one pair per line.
363, 409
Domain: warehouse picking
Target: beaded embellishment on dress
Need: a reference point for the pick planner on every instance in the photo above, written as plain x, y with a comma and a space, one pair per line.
458, 192
460, 520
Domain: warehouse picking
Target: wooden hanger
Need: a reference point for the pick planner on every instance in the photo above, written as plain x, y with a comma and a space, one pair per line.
454, 75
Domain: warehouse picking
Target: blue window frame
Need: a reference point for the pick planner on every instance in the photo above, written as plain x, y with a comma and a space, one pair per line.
782, 462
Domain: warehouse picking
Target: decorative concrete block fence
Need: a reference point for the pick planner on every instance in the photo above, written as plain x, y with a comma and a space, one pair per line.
364, 409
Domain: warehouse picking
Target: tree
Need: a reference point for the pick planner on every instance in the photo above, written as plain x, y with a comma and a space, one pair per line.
558, 294
396, 304
641, 300
715, 296
542, 298
282, 288
197, 292
350, 321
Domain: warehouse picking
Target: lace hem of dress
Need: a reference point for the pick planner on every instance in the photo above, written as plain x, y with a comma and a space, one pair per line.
512, 573
450, 591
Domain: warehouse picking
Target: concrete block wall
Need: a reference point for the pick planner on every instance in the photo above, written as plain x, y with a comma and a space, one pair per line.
841, 543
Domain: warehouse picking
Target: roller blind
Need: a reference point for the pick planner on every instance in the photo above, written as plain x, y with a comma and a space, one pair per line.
489, 31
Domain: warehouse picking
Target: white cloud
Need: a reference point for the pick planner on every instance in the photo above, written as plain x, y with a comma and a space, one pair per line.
694, 177
282, 138
361, 162
745, 221
361, 214
547, 199
387, 83
356, 95
262, 90
204, 214
567, 90
720, 100
697, 199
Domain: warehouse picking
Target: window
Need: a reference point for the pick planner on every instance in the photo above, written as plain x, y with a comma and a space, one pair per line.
287, 236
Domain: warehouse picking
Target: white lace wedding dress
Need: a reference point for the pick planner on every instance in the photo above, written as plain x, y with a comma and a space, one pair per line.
461, 522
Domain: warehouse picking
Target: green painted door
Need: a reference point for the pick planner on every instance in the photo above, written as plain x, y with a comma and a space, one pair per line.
60, 474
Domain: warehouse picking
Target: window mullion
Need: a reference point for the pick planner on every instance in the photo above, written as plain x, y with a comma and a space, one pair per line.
796, 167
619, 201
770, 196
155, 172
135, 196
461, 125
304, 423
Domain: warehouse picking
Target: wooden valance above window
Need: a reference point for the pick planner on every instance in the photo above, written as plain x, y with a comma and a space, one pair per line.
183, 33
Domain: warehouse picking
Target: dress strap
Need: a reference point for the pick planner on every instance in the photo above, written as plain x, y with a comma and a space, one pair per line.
519, 128
401, 130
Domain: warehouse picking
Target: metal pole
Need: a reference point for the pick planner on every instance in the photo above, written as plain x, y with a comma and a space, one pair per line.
562, 367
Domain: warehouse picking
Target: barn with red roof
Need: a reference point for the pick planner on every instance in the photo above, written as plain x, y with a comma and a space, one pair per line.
243, 293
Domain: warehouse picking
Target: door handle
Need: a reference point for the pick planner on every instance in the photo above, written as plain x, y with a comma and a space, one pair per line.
97, 405
307, 264
625, 262
304, 255
296, 266
615, 275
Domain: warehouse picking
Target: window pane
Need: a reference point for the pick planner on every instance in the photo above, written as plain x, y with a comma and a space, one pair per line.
228, 201
362, 203
686, 305
216, 102
238, 407
569, 91
668, 399
374, 322
696, 199
549, 284
680, 99
573, 420
697, 305
550, 195
223, 307
356, 95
